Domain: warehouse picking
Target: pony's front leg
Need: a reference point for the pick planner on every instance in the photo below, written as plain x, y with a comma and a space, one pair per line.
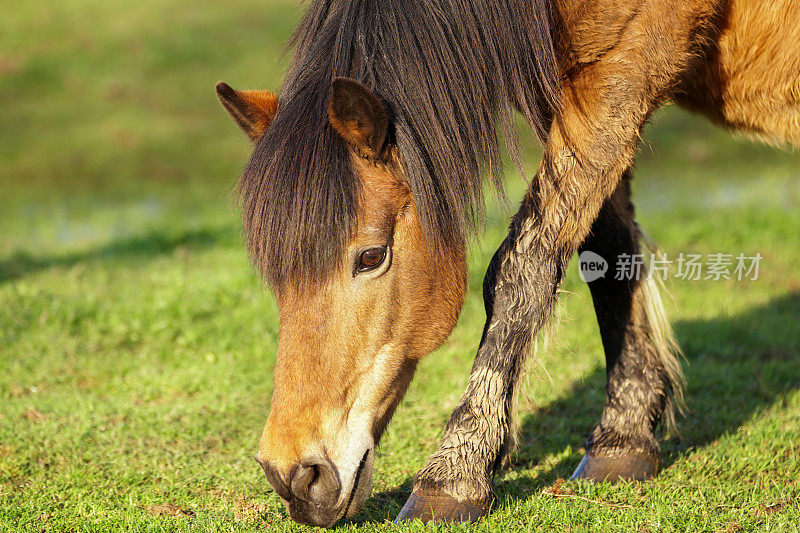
520, 288
589, 149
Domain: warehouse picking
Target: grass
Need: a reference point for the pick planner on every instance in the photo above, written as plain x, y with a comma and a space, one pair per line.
136, 345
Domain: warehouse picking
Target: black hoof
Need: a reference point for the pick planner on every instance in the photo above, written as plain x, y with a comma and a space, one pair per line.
633, 467
429, 505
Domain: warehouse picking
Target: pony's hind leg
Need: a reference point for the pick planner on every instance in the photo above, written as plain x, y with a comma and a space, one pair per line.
643, 371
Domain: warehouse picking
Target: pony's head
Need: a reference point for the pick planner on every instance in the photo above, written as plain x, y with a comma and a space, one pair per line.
362, 294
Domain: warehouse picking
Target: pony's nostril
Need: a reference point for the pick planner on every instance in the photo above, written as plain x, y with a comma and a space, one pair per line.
316, 482
302, 480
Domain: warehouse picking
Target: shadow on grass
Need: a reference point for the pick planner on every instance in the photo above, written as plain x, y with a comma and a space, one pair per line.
735, 367
149, 245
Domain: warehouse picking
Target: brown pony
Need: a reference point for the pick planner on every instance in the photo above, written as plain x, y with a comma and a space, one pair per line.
365, 184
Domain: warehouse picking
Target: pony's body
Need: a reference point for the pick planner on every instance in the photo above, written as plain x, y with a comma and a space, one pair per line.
748, 78
741, 69
366, 180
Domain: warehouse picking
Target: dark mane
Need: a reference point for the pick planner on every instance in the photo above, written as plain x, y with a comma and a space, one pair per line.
451, 73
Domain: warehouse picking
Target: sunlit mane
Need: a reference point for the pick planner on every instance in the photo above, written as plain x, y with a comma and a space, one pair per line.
450, 71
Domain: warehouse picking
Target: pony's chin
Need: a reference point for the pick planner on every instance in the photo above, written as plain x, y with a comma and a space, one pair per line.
362, 485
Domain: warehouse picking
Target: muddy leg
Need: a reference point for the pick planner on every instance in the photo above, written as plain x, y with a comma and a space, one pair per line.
643, 371
519, 290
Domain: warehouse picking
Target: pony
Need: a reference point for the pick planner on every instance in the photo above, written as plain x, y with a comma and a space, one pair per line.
365, 184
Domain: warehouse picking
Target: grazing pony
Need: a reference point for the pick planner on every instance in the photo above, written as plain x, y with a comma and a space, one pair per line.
365, 183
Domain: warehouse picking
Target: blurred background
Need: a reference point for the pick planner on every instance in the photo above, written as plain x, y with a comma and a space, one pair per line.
136, 345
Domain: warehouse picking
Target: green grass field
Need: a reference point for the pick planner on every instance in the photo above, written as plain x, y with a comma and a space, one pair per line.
136, 345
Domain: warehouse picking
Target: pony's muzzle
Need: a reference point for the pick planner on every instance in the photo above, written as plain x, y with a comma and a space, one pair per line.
310, 491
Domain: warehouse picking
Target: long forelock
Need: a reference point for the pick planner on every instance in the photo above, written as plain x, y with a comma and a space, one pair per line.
450, 72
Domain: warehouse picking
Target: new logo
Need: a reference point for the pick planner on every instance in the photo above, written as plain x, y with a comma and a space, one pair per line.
591, 266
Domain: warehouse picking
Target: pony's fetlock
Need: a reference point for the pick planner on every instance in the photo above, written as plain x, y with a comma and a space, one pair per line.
455, 477
607, 442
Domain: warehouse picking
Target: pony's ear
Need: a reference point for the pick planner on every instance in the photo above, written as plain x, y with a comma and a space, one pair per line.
253, 111
359, 116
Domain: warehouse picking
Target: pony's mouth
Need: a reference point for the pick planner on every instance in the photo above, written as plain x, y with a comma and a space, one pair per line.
361, 485
356, 480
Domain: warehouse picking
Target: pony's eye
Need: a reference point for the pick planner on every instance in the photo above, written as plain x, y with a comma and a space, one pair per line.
370, 259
